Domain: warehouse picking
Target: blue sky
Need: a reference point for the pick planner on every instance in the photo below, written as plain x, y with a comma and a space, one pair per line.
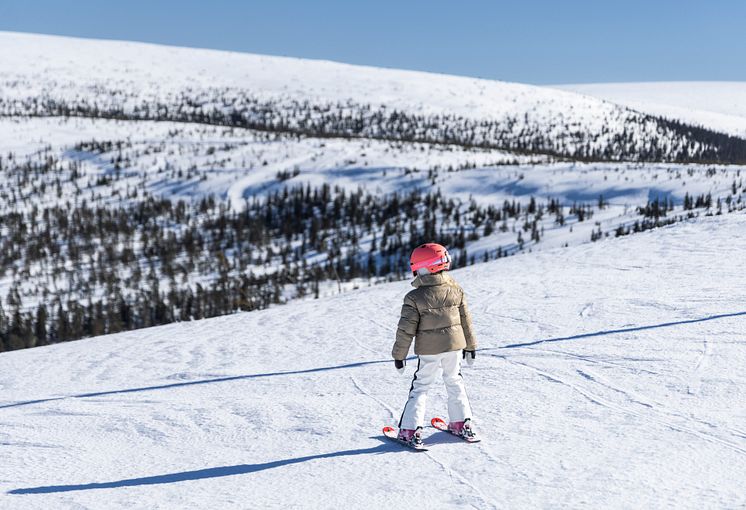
532, 41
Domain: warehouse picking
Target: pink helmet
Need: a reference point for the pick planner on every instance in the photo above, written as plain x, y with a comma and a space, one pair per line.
432, 256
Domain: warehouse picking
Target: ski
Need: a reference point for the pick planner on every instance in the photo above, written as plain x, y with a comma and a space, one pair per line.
391, 433
440, 424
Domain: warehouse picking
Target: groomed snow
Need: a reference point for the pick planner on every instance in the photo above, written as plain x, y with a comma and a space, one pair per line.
610, 375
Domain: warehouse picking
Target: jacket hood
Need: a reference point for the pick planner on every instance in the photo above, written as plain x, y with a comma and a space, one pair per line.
428, 280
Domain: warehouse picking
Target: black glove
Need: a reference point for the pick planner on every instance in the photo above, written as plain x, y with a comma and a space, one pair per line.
400, 364
469, 356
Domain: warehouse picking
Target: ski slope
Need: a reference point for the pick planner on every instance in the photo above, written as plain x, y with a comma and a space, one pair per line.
720, 106
610, 375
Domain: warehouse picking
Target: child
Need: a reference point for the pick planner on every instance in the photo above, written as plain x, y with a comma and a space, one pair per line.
435, 313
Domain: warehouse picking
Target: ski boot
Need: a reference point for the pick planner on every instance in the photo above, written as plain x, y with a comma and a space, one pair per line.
462, 429
412, 437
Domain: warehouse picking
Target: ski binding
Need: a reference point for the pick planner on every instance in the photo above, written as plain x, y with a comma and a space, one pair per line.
440, 424
392, 433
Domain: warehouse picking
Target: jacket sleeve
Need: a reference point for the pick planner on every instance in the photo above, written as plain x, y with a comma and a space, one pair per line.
466, 325
407, 328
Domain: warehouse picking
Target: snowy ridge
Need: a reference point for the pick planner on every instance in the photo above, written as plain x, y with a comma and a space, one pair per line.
589, 391
720, 106
46, 75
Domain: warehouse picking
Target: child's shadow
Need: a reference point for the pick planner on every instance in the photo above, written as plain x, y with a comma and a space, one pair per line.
442, 437
211, 472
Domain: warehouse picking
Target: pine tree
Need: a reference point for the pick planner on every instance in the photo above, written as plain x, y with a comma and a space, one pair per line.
40, 325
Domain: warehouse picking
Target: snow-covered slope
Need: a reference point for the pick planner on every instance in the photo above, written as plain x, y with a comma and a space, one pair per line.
720, 106
91, 129
47, 75
610, 375
497, 203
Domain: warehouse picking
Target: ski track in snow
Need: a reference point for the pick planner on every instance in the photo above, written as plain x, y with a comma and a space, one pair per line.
451, 473
636, 401
597, 385
696, 377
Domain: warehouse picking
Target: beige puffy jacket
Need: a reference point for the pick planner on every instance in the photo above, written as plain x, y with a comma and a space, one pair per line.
435, 313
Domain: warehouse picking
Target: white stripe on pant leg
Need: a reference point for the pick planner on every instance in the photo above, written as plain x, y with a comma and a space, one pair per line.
426, 374
458, 402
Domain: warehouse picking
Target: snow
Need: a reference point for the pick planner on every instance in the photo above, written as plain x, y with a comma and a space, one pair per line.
190, 161
609, 375
720, 106
235, 164
80, 65
236, 170
242, 162
116, 76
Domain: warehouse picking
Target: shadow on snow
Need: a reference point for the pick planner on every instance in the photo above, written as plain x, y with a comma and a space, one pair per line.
617, 331
194, 383
202, 474
366, 363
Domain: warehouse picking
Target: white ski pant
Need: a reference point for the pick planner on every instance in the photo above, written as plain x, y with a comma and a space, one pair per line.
429, 367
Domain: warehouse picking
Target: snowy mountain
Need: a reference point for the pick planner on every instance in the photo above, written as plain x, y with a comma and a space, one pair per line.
609, 375
142, 185
46, 75
148, 188
720, 106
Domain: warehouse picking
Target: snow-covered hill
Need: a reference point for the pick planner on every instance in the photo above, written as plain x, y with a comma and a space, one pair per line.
610, 375
720, 106
46, 75
173, 183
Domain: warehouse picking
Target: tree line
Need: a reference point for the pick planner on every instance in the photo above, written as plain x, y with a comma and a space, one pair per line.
639, 137
80, 268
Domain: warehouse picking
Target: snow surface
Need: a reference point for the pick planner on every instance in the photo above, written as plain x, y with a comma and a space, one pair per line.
79, 66
610, 375
720, 106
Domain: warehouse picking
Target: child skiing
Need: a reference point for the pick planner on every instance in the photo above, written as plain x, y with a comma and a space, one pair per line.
436, 315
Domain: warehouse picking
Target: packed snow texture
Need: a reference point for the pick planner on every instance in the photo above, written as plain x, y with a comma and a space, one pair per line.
609, 375
720, 106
